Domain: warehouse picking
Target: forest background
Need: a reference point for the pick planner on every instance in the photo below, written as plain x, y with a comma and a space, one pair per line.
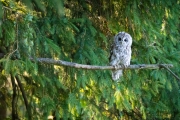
82, 31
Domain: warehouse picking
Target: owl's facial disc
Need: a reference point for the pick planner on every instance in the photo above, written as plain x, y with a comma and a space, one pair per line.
122, 40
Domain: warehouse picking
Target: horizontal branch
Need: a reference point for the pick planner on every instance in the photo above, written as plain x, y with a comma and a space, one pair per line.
94, 67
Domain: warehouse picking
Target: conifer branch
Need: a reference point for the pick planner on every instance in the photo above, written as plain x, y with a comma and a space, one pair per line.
94, 67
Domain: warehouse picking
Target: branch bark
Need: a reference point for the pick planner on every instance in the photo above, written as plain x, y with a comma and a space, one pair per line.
170, 72
94, 67
14, 99
28, 108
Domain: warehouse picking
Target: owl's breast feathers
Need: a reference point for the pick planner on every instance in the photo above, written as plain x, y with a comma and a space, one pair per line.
119, 54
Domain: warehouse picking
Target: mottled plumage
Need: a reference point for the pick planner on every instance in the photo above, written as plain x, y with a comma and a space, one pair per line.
120, 53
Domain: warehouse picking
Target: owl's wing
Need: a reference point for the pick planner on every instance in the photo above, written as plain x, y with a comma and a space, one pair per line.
111, 52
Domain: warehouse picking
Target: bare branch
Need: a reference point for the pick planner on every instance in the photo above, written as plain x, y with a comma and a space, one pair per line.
14, 99
28, 108
94, 67
170, 72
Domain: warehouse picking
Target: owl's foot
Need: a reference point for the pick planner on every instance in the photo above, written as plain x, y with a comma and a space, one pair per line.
117, 66
122, 66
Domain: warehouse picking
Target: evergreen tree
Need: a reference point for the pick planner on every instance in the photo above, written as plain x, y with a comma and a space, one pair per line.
81, 31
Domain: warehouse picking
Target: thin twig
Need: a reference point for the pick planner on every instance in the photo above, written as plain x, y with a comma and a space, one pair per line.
163, 66
4, 7
94, 67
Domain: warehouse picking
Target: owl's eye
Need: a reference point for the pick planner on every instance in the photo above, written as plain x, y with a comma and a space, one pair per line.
119, 39
126, 40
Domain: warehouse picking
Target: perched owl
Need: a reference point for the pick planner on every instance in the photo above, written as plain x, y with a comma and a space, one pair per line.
120, 53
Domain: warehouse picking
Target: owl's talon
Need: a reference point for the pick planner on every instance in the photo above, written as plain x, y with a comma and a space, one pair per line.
124, 66
117, 66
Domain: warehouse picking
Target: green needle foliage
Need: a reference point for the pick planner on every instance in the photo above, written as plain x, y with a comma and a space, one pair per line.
82, 31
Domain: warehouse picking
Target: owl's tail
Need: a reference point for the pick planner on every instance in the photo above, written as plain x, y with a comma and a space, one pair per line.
116, 74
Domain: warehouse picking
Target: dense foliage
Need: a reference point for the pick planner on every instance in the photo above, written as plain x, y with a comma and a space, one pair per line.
81, 31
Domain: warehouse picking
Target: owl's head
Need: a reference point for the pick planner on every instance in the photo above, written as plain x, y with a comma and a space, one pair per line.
123, 39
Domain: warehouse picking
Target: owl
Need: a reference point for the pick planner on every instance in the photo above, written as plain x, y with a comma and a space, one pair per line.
120, 53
